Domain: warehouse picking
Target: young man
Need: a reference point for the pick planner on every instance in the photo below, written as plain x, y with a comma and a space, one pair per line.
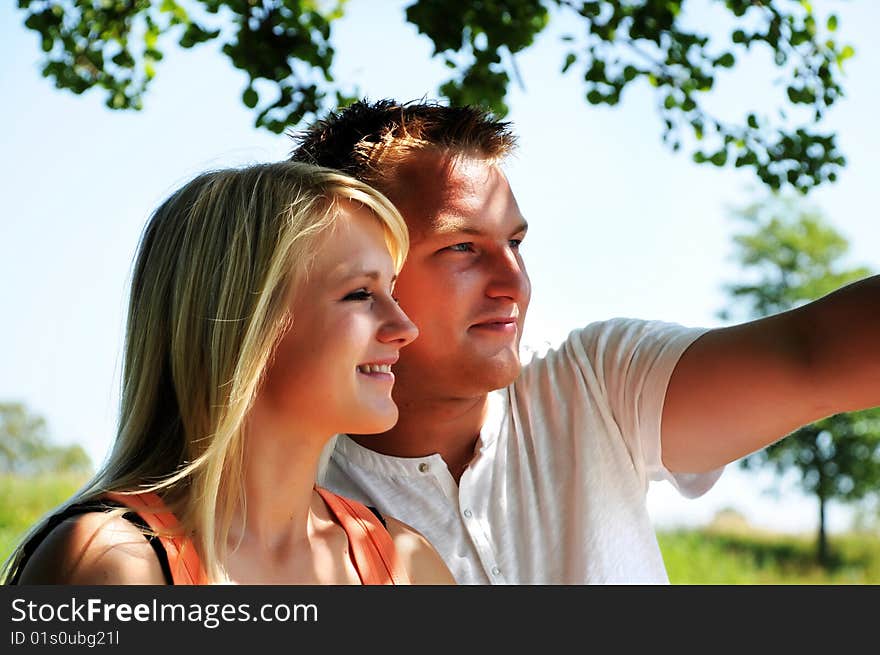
537, 474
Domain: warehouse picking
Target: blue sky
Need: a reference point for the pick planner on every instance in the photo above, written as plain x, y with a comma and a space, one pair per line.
620, 225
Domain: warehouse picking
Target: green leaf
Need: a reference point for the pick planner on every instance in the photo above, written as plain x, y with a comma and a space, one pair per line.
151, 37
250, 97
719, 158
123, 59
727, 60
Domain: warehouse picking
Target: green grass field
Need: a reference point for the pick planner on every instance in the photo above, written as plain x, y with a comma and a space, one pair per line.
719, 557
710, 556
23, 500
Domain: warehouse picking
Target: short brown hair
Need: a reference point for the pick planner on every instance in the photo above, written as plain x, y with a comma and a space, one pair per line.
370, 140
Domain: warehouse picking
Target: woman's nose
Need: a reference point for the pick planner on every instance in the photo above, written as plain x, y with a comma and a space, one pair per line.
398, 328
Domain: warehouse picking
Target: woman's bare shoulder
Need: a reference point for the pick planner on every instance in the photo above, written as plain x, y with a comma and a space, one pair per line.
423, 562
94, 548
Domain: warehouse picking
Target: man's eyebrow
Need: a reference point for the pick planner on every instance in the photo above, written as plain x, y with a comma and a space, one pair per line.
454, 227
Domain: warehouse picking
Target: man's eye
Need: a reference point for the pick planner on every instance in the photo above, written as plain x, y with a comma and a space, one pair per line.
360, 294
461, 247
515, 243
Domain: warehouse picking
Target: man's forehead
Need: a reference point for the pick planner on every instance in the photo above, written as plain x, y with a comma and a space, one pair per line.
444, 174
441, 193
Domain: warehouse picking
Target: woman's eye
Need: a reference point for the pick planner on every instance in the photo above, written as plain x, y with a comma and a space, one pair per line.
515, 243
360, 294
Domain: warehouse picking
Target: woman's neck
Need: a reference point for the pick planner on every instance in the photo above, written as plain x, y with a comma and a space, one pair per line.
278, 478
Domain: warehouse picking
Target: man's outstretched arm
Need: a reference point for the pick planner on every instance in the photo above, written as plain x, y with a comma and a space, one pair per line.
737, 389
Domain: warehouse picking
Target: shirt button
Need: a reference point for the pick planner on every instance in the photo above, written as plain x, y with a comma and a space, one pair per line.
468, 513
423, 468
496, 570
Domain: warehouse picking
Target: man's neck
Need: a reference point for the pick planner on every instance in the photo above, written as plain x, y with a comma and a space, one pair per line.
448, 427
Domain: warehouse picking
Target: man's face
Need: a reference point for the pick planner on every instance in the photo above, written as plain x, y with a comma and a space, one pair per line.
464, 283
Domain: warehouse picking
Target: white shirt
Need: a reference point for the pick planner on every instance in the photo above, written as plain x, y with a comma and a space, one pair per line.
555, 493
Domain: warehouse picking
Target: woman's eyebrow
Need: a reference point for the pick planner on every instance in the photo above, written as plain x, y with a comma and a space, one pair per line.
358, 274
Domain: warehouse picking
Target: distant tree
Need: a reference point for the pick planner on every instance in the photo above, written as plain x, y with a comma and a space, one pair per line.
25, 448
286, 50
867, 516
794, 256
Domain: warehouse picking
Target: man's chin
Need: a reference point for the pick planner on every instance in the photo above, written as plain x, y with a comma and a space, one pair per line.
495, 373
477, 373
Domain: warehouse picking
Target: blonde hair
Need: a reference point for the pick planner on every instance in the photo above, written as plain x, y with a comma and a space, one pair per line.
208, 304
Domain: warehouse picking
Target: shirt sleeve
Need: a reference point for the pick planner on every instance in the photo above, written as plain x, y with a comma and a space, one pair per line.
633, 361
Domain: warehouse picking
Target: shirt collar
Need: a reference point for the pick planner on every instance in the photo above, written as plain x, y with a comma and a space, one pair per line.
362, 457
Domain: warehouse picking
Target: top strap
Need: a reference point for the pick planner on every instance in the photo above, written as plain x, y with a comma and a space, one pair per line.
186, 567
373, 551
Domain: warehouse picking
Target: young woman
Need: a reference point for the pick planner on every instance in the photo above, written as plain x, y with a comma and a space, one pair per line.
261, 322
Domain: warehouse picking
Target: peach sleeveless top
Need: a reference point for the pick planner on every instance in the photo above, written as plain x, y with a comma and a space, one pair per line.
371, 548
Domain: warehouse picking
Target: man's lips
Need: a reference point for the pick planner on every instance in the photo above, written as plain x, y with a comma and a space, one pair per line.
497, 324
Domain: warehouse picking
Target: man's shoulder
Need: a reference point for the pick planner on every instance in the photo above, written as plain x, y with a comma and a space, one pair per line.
591, 340
622, 329
581, 341
600, 355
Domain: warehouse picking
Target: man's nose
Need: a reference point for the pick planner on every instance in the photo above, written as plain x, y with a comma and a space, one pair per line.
508, 277
397, 328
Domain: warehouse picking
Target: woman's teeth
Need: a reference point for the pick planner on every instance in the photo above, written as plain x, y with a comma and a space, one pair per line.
374, 368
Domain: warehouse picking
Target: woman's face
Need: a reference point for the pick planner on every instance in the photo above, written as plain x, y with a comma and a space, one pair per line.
332, 369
